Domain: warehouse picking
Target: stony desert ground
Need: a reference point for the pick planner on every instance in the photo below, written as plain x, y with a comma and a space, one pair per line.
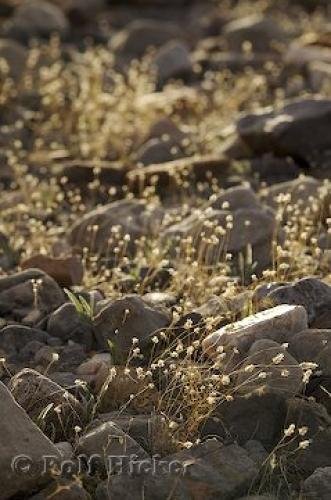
165, 249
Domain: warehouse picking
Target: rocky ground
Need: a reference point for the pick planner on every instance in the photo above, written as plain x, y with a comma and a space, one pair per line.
165, 249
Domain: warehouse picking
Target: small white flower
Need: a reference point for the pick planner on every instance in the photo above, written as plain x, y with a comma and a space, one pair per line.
278, 358
290, 430
225, 380
304, 444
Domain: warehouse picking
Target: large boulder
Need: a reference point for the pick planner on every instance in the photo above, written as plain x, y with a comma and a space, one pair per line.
24, 449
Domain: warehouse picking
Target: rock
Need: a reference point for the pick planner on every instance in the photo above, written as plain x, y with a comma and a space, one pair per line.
96, 369
274, 170
258, 497
29, 291
262, 33
71, 356
319, 74
319, 388
209, 469
305, 51
82, 172
324, 241
65, 449
280, 323
132, 217
120, 321
228, 307
298, 192
151, 432
66, 271
256, 451
243, 420
318, 485
282, 372
156, 151
167, 177
262, 291
81, 11
311, 293
36, 18
297, 130
313, 346
15, 56
66, 324
166, 129
18, 343
49, 405
20, 437
317, 423
250, 227
110, 448
217, 470
173, 61
154, 486
139, 35
63, 490
235, 198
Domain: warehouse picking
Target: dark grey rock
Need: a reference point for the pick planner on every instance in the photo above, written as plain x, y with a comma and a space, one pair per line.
53, 408
36, 18
243, 420
66, 324
318, 485
19, 301
123, 319
300, 130
19, 436
311, 293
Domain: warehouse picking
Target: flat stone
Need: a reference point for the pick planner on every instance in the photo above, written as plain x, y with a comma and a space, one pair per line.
67, 271
279, 323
